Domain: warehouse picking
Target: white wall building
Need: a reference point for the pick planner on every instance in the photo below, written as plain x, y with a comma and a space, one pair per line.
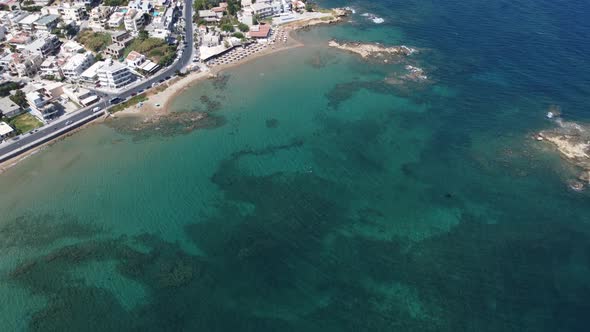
76, 65
115, 20
8, 108
5, 130
133, 20
208, 16
50, 68
44, 45
114, 75
262, 10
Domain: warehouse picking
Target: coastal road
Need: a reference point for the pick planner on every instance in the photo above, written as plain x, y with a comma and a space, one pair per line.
12, 148
178, 65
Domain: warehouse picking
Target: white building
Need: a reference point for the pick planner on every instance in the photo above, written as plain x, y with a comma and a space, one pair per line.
133, 20
8, 108
161, 25
99, 16
90, 75
115, 20
50, 68
142, 5
27, 23
14, 17
46, 23
41, 105
71, 47
263, 10
46, 44
25, 64
73, 13
79, 95
76, 65
208, 16
134, 59
5, 130
114, 75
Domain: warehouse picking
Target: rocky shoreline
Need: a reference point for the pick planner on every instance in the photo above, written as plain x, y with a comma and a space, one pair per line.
372, 50
572, 141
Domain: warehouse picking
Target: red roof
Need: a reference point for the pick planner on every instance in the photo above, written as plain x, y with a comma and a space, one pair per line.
263, 31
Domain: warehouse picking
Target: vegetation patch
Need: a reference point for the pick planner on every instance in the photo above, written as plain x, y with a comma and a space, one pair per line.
24, 123
155, 49
94, 41
7, 87
132, 101
115, 3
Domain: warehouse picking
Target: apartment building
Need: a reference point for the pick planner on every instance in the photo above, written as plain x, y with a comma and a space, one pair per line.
45, 44
46, 23
76, 65
134, 20
41, 105
99, 16
25, 64
114, 75
51, 68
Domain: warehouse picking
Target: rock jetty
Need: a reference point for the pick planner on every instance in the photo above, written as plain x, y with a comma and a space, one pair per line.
372, 50
572, 140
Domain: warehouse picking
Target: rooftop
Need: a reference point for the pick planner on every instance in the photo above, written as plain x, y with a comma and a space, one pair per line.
259, 6
46, 19
76, 60
5, 128
112, 66
7, 104
133, 55
206, 13
262, 31
91, 71
29, 19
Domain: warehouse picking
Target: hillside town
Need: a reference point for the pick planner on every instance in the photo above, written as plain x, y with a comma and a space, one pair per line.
66, 62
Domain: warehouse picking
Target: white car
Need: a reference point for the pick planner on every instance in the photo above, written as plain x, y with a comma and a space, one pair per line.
69, 122
96, 109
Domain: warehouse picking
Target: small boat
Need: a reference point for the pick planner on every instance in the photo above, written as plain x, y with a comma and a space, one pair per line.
550, 115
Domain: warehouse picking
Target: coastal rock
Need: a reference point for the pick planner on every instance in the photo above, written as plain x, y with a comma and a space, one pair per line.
166, 125
572, 141
372, 50
341, 12
415, 73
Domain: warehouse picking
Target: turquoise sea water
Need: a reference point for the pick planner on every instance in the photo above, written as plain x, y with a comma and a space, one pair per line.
318, 196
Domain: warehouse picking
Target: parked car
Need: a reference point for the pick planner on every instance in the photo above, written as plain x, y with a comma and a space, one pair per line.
115, 101
96, 109
69, 122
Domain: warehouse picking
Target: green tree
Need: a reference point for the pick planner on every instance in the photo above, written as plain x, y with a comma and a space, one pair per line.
143, 35
243, 27
227, 28
7, 87
70, 30
238, 35
308, 7
200, 5
232, 7
19, 98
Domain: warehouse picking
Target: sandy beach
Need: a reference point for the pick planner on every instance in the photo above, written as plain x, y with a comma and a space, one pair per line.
160, 97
